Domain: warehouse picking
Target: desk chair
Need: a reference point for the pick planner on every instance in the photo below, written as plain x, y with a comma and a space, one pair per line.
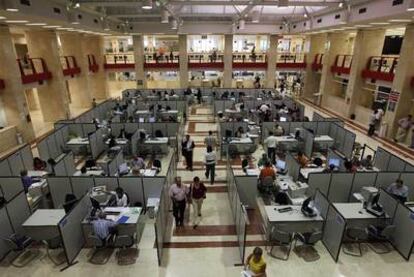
306, 250
381, 236
280, 239
126, 255
99, 255
20, 247
354, 235
57, 259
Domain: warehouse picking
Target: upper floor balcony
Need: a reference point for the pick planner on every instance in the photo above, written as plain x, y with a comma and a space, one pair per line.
33, 70
249, 60
70, 66
119, 61
381, 68
167, 61
317, 62
92, 65
206, 61
291, 61
342, 65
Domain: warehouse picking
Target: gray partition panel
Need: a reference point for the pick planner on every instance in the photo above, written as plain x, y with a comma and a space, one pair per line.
293, 166
16, 163
396, 164
333, 232
340, 188
59, 187
88, 128
111, 183
408, 167
382, 158
71, 230
81, 185
388, 202
133, 187
247, 190
323, 128
43, 150
319, 181
362, 179
408, 179
172, 129
340, 138
349, 142
333, 128
54, 150
308, 148
5, 168
6, 231
152, 187
384, 179
60, 169
19, 211
403, 236
27, 157
69, 162
321, 204
116, 129
11, 186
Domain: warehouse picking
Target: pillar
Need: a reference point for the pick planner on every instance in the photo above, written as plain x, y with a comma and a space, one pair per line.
228, 61
367, 43
93, 45
139, 58
182, 45
313, 78
336, 44
13, 97
271, 61
53, 94
402, 83
78, 85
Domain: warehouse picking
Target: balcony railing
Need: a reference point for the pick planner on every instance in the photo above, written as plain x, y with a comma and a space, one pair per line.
317, 62
342, 65
2, 85
119, 61
291, 60
162, 58
33, 70
70, 66
206, 61
249, 60
381, 68
92, 65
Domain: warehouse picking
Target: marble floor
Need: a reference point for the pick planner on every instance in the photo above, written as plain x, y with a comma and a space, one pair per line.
215, 254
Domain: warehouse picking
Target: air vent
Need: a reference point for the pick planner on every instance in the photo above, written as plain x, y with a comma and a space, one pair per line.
362, 10
96, 21
25, 2
319, 20
337, 16
397, 2
294, 26
56, 10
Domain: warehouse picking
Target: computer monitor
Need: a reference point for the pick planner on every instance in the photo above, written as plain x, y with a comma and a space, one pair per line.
141, 120
306, 209
334, 162
283, 119
281, 164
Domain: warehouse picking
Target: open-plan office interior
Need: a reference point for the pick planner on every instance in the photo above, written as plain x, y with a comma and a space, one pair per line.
206, 138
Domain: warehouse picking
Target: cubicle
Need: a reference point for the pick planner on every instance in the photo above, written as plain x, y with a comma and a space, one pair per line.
386, 161
14, 163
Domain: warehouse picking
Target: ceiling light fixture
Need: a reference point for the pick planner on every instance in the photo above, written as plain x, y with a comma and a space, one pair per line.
174, 24
400, 20
305, 15
380, 23
362, 26
2, 17
255, 16
341, 5
36, 24
164, 16
147, 5
10, 5
52, 27
17, 21
242, 24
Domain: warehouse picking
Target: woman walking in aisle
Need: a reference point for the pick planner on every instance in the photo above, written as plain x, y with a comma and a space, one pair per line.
198, 194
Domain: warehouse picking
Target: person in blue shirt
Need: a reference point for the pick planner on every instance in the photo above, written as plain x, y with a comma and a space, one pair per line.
104, 228
26, 180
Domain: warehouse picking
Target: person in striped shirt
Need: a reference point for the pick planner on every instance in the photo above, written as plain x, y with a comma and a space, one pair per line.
104, 228
210, 162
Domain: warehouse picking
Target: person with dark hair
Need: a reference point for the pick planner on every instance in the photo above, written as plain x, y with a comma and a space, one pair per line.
302, 159
121, 199
197, 196
83, 171
367, 162
350, 167
103, 228
187, 147
210, 140
255, 264
210, 162
399, 190
38, 164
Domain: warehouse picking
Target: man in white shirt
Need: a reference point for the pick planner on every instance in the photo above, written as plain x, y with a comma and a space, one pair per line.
210, 162
404, 124
271, 142
121, 198
264, 108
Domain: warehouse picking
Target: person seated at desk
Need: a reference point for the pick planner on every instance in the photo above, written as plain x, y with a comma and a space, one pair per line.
38, 164
367, 162
263, 160
112, 142
255, 264
240, 133
121, 198
399, 190
83, 171
318, 162
122, 134
266, 171
70, 202
302, 159
247, 163
278, 130
331, 168
156, 165
26, 180
51, 164
104, 228
138, 162
264, 108
350, 167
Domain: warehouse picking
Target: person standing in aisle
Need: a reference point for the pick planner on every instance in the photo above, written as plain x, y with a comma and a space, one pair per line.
271, 142
178, 193
372, 123
404, 125
187, 150
210, 140
197, 194
210, 162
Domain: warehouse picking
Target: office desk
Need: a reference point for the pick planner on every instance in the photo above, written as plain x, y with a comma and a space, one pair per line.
241, 145
37, 173
308, 170
43, 224
295, 192
356, 216
118, 141
78, 142
90, 173
143, 112
157, 145
293, 221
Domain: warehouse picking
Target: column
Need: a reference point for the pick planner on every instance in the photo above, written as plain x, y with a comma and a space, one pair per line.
329, 89
79, 90
13, 98
53, 94
402, 84
313, 78
182, 45
139, 59
271, 61
368, 43
93, 45
228, 61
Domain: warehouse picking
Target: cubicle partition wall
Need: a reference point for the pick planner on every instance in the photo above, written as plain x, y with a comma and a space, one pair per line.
344, 139
340, 186
386, 161
318, 117
403, 236
52, 146
319, 182
321, 204
96, 143
247, 189
308, 138
13, 164
292, 166
333, 232
66, 165
71, 231
112, 166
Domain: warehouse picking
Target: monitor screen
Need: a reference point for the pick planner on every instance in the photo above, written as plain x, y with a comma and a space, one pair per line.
335, 162
283, 119
281, 164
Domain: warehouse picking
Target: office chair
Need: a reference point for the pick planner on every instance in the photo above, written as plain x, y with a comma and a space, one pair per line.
126, 254
354, 235
99, 247
19, 246
58, 258
280, 239
306, 250
381, 236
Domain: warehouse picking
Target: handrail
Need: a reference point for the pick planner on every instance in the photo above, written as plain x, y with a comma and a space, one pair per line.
120, 58
161, 58
248, 57
92, 65
291, 57
70, 66
381, 63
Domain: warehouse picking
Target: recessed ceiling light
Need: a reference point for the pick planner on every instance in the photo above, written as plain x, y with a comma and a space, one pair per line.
380, 23
17, 21
362, 26
2, 17
64, 29
75, 23
341, 5
147, 5
36, 24
12, 10
410, 10
51, 27
399, 20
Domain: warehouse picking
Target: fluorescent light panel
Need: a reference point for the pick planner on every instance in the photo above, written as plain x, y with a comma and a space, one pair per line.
400, 20
36, 24
17, 21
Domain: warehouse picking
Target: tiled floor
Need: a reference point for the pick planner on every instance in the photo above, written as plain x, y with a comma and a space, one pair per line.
216, 255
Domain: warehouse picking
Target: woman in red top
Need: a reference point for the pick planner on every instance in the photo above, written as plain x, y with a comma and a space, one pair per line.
198, 194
